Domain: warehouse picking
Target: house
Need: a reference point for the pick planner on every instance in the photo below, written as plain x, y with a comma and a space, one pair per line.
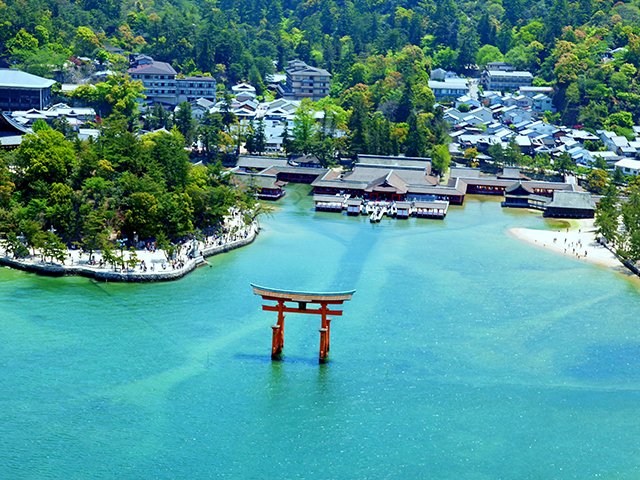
440, 75
515, 115
542, 103
23, 91
449, 88
467, 100
304, 81
628, 166
243, 91
505, 80
521, 101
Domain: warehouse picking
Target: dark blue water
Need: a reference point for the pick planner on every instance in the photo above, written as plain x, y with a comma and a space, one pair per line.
464, 354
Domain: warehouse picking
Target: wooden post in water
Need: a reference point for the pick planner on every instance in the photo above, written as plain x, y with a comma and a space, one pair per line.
278, 333
323, 344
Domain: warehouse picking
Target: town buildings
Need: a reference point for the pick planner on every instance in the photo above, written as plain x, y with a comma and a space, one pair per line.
163, 85
304, 81
23, 91
451, 88
505, 80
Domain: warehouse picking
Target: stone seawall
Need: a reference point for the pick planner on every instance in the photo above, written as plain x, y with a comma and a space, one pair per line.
110, 275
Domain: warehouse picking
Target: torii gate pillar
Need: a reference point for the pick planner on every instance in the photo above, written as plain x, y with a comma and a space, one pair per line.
325, 300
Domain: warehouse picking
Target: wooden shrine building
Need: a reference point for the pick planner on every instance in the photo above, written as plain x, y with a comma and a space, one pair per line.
326, 303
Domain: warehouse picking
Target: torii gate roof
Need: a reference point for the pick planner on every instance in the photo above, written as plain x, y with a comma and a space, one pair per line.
306, 297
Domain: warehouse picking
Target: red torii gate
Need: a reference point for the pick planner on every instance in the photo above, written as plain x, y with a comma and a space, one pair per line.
302, 299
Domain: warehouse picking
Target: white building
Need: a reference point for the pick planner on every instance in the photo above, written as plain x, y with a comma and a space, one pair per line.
629, 166
450, 88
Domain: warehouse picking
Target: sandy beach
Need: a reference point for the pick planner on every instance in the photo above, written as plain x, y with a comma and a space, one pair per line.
578, 243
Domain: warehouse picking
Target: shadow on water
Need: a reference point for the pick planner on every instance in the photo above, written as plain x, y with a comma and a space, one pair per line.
606, 362
264, 359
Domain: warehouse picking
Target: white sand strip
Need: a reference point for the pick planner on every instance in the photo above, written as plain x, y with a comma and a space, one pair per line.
579, 243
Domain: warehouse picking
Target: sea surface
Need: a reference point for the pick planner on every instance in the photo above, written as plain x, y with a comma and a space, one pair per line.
464, 354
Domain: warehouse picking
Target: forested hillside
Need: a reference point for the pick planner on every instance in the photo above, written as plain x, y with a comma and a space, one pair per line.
386, 49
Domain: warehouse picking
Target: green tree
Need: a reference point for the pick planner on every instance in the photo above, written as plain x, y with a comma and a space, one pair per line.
606, 215
184, 122
45, 156
142, 216
304, 125
440, 157
597, 181
119, 95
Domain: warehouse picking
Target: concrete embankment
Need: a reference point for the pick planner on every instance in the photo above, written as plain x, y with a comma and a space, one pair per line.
110, 275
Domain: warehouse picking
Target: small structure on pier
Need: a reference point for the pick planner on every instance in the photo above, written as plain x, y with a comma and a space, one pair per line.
329, 203
324, 300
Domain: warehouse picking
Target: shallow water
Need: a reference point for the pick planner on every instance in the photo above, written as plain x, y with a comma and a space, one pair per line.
463, 354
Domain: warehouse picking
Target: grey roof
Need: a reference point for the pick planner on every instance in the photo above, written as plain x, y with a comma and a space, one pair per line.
155, 68
302, 170
199, 78
9, 127
11, 78
464, 172
329, 198
409, 175
395, 161
300, 67
581, 200
502, 73
251, 161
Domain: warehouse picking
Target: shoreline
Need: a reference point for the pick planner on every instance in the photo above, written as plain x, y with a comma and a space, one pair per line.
156, 259
578, 243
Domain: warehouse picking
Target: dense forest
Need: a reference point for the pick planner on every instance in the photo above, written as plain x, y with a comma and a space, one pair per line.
379, 53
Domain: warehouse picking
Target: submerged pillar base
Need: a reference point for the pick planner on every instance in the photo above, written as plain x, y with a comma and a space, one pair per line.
276, 343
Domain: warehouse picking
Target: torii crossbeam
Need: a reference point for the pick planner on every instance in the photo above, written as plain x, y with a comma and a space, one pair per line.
324, 300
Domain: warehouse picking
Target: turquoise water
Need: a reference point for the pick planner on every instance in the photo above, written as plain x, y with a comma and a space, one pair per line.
464, 354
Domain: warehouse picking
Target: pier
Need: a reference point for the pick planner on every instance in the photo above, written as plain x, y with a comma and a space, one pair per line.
432, 208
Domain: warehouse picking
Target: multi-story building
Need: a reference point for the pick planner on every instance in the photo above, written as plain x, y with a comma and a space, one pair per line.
304, 81
190, 89
163, 86
159, 79
500, 80
23, 91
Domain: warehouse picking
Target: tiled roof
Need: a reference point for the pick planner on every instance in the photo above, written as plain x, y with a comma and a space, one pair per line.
155, 68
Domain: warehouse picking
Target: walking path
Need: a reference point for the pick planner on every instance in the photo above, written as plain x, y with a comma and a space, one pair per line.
579, 243
152, 264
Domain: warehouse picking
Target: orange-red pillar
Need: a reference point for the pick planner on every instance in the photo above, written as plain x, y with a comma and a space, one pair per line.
329, 333
323, 344
324, 334
277, 342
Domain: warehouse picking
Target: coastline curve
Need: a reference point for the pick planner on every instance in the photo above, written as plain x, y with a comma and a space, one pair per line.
110, 275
